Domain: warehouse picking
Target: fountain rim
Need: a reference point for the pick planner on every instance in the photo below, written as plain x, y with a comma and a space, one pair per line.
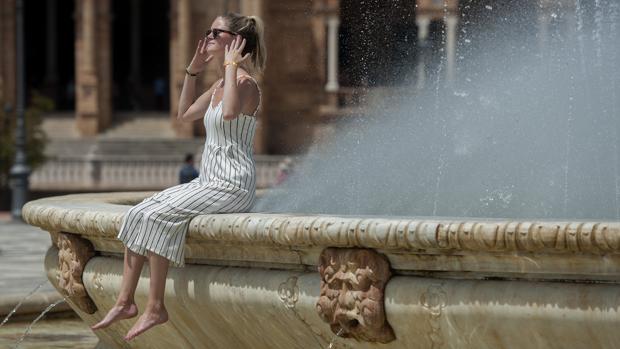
100, 215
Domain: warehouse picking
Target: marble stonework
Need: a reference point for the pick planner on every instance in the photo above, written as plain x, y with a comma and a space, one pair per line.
252, 281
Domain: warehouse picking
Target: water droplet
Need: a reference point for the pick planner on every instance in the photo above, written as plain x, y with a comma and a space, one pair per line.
331, 344
20, 303
27, 332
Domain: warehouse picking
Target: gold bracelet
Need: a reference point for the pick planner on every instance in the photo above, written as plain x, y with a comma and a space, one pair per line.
188, 72
230, 63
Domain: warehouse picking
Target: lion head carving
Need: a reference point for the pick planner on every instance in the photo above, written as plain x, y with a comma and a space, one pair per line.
352, 287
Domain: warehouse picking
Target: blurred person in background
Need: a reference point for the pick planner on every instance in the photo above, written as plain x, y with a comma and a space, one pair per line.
188, 172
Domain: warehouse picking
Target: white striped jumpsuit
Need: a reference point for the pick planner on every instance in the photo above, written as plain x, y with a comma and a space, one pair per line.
227, 183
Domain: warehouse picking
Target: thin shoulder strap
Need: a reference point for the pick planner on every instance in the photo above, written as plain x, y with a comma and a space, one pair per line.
219, 82
260, 97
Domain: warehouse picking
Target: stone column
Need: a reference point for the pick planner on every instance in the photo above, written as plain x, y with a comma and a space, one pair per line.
93, 62
251, 7
293, 85
333, 22
451, 23
423, 23
7, 55
180, 40
87, 105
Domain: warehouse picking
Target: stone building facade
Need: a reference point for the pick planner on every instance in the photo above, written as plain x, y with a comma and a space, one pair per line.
292, 87
324, 56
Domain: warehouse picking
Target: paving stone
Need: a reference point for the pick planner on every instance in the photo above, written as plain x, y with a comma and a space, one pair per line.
22, 251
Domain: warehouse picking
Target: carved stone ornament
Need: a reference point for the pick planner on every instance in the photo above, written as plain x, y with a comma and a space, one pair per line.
289, 292
73, 254
352, 288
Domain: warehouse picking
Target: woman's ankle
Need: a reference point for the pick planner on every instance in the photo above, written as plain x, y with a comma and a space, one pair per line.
155, 307
124, 302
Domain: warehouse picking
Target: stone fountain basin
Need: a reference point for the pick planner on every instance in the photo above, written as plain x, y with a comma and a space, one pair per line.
251, 279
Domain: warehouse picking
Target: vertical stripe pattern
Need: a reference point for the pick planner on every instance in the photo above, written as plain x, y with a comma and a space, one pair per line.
227, 183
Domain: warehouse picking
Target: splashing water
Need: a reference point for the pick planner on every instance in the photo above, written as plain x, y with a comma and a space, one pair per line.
49, 307
20, 303
331, 344
525, 132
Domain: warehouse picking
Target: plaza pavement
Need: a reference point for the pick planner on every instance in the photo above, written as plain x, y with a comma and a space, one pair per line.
22, 251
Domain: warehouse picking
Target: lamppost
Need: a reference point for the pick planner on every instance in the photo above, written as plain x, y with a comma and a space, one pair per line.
20, 170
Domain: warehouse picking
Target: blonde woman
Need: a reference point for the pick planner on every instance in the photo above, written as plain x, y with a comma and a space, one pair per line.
155, 229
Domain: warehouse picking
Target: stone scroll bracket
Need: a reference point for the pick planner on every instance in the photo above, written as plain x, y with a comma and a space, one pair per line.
73, 254
352, 293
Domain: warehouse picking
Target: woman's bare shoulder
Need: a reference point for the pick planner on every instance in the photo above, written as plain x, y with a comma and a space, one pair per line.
250, 92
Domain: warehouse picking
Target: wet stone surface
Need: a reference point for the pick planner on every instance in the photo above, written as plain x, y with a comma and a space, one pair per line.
49, 333
22, 251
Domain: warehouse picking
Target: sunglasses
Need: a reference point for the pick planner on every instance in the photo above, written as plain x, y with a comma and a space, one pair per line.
216, 32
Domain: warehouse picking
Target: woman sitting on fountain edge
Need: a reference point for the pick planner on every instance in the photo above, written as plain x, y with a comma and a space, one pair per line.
156, 227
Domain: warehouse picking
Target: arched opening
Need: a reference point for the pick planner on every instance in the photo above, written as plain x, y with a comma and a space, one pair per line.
140, 51
49, 37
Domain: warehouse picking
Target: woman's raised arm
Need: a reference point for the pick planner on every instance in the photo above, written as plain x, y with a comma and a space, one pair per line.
190, 110
237, 96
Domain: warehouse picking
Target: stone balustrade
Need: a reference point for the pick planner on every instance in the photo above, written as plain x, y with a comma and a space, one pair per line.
99, 173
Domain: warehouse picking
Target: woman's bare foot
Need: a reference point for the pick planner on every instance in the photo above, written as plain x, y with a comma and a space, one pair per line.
118, 312
147, 320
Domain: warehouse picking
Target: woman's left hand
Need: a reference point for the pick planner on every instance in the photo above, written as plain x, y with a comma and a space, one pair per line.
233, 52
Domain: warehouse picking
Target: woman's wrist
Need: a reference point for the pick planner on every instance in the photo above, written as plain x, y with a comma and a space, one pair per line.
230, 64
189, 72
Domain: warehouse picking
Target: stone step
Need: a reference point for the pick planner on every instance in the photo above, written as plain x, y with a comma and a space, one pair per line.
142, 125
154, 148
60, 126
147, 134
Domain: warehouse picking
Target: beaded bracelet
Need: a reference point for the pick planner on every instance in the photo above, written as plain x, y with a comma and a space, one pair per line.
230, 63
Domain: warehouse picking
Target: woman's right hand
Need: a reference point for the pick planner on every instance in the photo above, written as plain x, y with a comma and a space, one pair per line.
201, 57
